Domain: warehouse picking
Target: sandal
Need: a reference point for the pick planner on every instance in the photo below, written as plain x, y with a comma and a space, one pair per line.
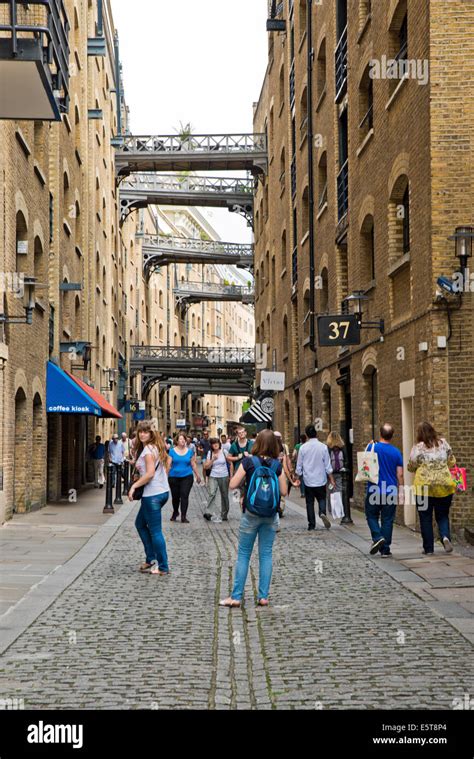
145, 567
230, 603
159, 572
262, 602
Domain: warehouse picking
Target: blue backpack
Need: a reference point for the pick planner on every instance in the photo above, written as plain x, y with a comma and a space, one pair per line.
263, 493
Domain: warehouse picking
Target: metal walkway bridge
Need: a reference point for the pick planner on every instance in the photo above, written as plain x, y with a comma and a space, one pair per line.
195, 152
188, 293
223, 369
143, 190
161, 250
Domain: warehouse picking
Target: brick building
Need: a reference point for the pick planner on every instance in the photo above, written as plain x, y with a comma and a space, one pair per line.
369, 111
60, 222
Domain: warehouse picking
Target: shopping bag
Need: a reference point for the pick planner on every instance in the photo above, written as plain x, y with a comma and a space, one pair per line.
337, 507
368, 466
460, 478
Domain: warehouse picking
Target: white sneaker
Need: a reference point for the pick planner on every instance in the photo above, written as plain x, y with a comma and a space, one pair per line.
216, 519
448, 547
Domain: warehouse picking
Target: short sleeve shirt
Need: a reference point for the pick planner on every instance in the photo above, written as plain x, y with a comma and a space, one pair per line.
390, 458
235, 450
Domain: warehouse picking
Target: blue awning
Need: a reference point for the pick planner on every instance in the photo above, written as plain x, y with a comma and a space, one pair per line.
67, 395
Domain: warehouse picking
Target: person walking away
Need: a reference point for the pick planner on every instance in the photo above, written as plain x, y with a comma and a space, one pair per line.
382, 498
203, 450
97, 454
240, 450
216, 465
116, 455
338, 458
431, 459
314, 468
302, 441
266, 483
181, 480
190, 444
153, 464
284, 457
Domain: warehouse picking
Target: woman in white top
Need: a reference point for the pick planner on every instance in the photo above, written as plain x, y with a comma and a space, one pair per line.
216, 465
153, 463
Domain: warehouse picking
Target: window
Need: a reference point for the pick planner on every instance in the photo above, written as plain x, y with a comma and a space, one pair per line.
282, 87
399, 220
282, 168
305, 212
366, 103
324, 293
283, 250
303, 14
321, 70
367, 250
304, 114
322, 181
285, 335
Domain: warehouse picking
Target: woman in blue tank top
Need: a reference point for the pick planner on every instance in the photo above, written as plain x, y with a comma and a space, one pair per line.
181, 477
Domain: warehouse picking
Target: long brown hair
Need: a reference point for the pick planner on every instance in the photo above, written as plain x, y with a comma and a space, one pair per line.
155, 440
427, 434
266, 445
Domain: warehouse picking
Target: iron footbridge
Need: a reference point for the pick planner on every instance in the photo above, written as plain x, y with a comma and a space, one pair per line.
195, 152
162, 250
222, 369
187, 293
143, 190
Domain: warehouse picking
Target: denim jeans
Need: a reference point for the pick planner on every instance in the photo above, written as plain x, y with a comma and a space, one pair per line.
441, 507
148, 524
380, 518
251, 526
310, 494
218, 485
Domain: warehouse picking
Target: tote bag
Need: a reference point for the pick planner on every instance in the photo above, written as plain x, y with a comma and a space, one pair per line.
337, 507
368, 466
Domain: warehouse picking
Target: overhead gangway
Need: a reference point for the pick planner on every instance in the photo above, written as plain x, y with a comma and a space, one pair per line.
163, 250
196, 152
221, 366
142, 190
187, 293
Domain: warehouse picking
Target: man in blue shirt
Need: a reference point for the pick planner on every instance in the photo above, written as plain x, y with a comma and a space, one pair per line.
116, 455
97, 454
382, 498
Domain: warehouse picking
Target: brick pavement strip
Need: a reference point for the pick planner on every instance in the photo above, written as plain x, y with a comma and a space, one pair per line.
346, 636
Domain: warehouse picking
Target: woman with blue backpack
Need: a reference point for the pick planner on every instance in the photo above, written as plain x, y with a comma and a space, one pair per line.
266, 483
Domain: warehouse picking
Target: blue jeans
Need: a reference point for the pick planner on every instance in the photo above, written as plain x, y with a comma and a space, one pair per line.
441, 507
251, 526
148, 524
380, 518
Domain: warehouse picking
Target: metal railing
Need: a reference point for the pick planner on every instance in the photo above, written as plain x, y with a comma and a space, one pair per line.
143, 183
205, 355
292, 85
343, 191
185, 244
368, 120
49, 29
341, 65
193, 143
293, 177
200, 288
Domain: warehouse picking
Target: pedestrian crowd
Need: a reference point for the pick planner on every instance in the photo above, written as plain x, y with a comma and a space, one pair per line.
260, 471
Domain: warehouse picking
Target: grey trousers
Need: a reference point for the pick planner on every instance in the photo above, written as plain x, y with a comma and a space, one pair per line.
218, 484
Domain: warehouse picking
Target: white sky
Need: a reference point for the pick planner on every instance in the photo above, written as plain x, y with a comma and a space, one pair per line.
198, 61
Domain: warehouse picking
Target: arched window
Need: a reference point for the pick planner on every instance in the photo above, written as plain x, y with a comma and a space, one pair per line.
303, 13
321, 70
366, 103
283, 250
367, 250
322, 181
324, 293
21, 242
285, 336
305, 212
304, 113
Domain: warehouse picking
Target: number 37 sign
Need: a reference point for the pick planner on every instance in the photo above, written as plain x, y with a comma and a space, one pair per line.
338, 330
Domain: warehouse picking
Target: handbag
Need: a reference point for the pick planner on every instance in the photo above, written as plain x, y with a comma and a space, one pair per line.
368, 466
337, 507
138, 492
459, 476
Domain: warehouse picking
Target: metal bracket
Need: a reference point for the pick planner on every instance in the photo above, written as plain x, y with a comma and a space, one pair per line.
245, 212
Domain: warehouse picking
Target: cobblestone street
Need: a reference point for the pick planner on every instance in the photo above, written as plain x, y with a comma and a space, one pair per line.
339, 634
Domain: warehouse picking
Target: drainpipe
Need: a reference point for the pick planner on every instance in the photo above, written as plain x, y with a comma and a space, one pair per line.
312, 271
118, 84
